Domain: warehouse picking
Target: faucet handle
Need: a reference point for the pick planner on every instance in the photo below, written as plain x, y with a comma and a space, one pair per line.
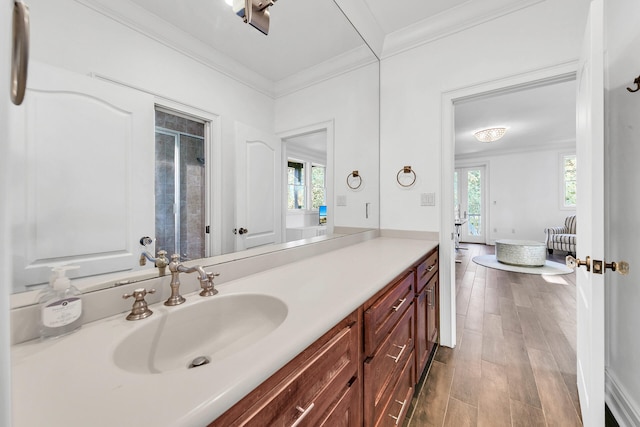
140, 309
207, 287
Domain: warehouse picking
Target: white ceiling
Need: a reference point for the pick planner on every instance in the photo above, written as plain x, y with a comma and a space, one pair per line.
302, 33
306, 33
535, 117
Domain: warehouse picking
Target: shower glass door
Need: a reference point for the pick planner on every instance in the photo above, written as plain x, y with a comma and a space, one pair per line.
180, 186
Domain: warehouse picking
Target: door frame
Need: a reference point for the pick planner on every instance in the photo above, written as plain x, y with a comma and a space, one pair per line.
328, 127
558, 72
213, 153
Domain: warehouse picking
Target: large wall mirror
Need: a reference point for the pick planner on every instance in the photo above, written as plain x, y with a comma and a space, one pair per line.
174, 119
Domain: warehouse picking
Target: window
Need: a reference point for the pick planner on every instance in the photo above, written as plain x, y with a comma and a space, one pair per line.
569, 181
306, 185
318, 189
295, 180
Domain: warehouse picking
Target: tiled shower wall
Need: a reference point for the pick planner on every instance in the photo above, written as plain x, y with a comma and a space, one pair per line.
192, 186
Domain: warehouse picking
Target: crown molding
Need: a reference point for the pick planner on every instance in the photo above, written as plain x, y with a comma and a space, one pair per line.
451, 21
336, 66
138, 19
364, 22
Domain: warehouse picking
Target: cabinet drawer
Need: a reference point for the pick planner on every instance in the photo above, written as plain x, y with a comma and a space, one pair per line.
426, 270
383, 369
346, 412
308, 392
385, 312
397, 407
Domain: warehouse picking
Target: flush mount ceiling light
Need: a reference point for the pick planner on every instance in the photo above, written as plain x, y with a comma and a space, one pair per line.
490, 135
254, 13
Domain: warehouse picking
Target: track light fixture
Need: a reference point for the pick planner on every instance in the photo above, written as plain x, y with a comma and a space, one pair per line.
254, 12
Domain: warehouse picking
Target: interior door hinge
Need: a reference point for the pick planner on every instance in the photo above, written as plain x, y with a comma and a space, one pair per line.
206, 229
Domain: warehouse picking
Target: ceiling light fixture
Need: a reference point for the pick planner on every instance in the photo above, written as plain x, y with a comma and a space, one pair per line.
254, 13
490, 135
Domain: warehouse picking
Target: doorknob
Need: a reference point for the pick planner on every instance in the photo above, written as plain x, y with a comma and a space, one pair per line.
574, 263
621, 267
599, 267
240, 231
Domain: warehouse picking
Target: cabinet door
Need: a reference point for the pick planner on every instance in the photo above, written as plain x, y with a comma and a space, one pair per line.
422, 352
432, 297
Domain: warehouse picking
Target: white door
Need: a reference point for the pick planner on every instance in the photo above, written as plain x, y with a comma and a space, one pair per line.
590, 216
90, 212
259, 188
469, 197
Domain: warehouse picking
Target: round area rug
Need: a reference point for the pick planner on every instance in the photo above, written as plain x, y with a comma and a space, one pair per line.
549, 267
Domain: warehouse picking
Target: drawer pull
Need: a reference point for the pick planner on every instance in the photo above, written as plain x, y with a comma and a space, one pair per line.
397, 418
396, 358
430, 268
303, 414
397, 307
430, 298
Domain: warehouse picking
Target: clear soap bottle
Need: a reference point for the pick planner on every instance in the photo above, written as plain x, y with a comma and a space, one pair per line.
60, 305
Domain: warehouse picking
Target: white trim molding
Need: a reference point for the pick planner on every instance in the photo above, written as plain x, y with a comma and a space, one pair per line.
454, 20
625, 411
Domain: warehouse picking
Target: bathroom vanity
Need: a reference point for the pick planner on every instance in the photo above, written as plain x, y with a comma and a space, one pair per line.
342, 339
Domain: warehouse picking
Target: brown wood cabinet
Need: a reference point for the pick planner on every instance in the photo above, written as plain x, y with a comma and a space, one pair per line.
321, 386
389, 341
427, 310
363, 371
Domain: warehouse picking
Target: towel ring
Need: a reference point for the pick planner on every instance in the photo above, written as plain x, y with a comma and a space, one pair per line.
406, 169
351, 183
19, 52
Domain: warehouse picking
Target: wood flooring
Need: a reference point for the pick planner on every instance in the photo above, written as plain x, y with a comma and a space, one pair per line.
515, 361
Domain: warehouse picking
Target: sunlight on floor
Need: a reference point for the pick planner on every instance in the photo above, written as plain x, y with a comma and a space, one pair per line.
554, 279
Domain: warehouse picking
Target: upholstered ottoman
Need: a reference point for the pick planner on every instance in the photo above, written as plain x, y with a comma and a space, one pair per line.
526, 253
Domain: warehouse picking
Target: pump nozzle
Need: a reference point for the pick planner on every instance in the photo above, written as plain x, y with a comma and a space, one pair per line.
59, 279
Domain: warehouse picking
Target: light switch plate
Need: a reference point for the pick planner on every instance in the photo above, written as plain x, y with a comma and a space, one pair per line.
427, 199
341, 200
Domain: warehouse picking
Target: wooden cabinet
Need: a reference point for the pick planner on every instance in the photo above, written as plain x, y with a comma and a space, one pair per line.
426, 307
362, 372
389, 365
319, 387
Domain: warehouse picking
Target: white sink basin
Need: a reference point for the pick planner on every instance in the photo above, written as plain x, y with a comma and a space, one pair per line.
214, 328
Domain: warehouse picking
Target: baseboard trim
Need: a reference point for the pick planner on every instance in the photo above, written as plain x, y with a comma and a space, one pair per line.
624, 410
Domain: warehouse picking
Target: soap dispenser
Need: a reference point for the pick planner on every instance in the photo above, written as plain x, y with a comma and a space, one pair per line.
60, 305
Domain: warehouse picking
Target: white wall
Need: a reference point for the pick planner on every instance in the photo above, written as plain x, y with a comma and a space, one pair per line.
68, 35
622, 136
523, 193
5, 273
351, 101
413, 82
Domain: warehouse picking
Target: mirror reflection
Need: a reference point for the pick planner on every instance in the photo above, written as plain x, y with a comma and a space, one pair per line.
177, 121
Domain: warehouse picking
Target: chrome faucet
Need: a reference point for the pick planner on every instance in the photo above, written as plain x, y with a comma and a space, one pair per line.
161, 261
176, 267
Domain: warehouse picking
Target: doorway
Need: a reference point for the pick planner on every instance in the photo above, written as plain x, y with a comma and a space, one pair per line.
469, 193
180, 185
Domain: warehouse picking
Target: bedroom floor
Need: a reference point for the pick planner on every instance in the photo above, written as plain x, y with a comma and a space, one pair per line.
514, 364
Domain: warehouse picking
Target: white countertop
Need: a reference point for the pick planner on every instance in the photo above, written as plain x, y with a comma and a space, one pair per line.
73, 381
